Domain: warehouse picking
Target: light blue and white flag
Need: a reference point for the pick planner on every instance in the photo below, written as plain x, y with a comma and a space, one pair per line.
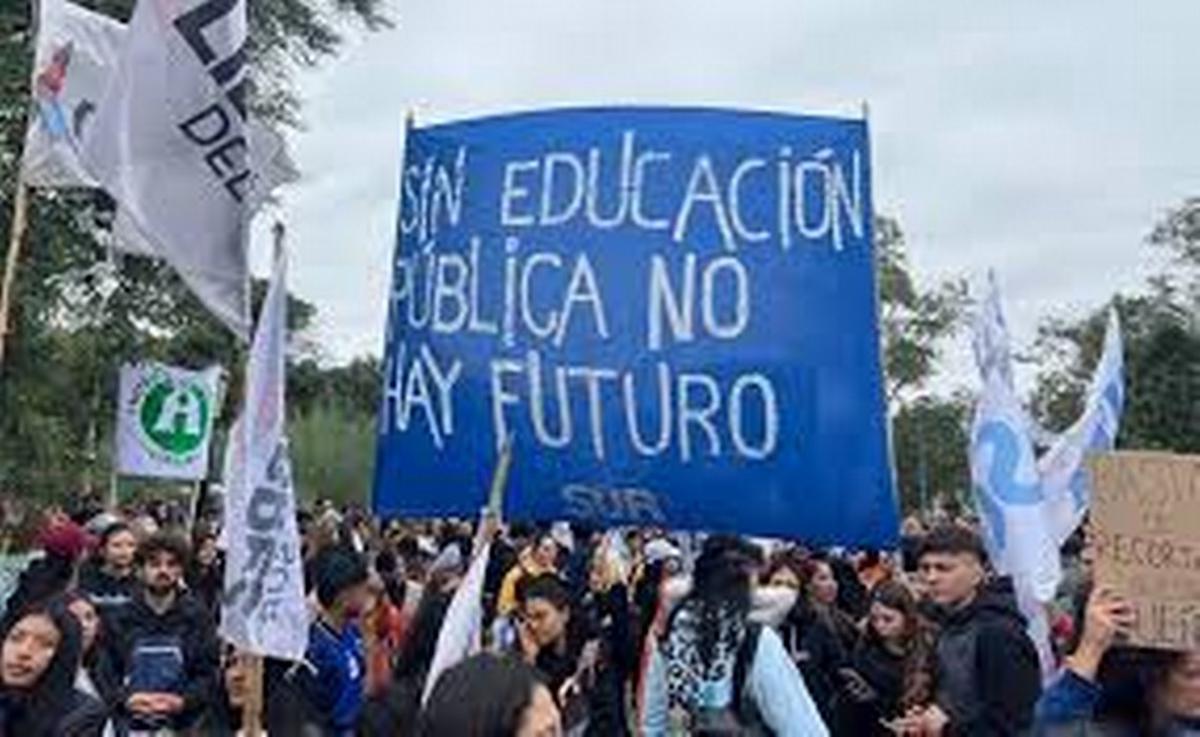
1008, 489
1009, 493
1062, 467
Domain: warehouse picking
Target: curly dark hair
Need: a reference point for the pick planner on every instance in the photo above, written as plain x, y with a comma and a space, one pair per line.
164, 542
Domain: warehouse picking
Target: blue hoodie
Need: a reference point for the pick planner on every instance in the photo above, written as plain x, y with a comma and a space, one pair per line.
335, 686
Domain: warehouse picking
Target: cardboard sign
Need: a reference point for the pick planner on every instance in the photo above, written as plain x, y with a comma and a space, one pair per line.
1145, 537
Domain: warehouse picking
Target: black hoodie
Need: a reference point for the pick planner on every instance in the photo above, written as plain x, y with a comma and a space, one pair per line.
107, 592
988, 676
175, 652
53, 708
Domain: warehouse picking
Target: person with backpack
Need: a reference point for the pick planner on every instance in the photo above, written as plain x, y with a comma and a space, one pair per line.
714, 672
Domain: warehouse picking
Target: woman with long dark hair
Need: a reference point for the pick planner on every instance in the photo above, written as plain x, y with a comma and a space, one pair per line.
490, 696
713, 670
890, 670
96, 676
825, 635
39, 660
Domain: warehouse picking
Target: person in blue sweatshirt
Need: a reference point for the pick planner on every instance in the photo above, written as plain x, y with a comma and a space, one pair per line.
1117, 691
332, 677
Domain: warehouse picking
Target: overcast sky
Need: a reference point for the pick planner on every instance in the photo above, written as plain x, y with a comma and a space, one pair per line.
1039, 138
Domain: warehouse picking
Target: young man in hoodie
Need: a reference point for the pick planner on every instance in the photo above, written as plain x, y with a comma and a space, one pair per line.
987, 676
163, 645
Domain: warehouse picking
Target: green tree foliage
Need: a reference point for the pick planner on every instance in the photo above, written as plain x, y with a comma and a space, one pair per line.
929, 433
75, 321
1162, 349
915, 322
930, 439
354, 387
333, 448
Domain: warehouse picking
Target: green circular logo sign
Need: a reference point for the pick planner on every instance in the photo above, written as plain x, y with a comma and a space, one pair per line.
173, 417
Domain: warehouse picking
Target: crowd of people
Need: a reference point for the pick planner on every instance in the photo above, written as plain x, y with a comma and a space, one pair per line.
111, 630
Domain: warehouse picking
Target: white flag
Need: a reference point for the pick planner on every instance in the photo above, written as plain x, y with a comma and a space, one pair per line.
76, 57
233, 470
264, 611
1063, 468
1008, 489
165, 419
77, 51
461, 635
168, 143
990, 341
273, 167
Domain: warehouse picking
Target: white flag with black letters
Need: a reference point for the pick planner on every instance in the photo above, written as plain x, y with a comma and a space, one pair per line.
169, 144
264, 611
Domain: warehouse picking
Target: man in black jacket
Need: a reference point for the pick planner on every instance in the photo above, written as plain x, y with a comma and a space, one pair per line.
163, 645
987, 678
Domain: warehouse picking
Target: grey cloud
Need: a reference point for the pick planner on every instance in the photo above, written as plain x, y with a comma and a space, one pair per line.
1038, 138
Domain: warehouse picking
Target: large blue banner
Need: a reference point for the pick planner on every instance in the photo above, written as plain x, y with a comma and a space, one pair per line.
671, 313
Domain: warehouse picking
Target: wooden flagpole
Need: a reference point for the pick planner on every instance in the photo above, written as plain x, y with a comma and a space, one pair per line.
495, 506
16, 237
20, 217
252, 709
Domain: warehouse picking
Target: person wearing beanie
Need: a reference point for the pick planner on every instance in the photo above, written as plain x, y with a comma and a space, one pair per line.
332, 680
63, 543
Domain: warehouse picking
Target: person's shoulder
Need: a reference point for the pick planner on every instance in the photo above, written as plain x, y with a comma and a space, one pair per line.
1001, 625
191, 607
89, 573
83, 716
767, 644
